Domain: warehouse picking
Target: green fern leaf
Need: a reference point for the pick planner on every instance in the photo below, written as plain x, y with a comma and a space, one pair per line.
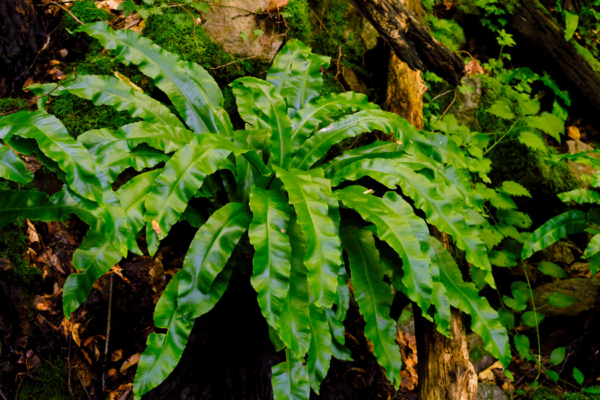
212, 246
272, 257
290, 380
374, 298
22, 203
465, 296
295, 318
12, 167
140, 158
180, 180
106, 90
133, 196
296, 74
553, 230
194, 93
319, 352
389, 214
54, 141
323, 257
580, 196
262, 107
314, 113
442, 212
377, 149
163, 350
338, 337
593, 247
352, 125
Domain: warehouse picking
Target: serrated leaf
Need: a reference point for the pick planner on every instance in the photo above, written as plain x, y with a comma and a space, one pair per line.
523, 347
501, 109
553, 230
532, 319
193, 92
394, 219
12, 167
571, 22
579, 378
514, 189
54, 141
465, 296
551, 269
374, 298
547, 123
507, 318
272, 257
323, 257
533, 141
515, 218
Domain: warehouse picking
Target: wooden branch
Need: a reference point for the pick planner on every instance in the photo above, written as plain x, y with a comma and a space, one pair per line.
536, 24
410, 39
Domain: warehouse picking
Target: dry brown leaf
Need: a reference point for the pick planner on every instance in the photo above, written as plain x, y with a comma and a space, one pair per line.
92, 338
87, 357
370, 345
63, 52
130, 361
156, 227
139, 27
54, 62
31, 163
108, 5
116, 355
487, 375
4, 264
276, 4
42, 303
32, 233
113, 373
574, 133
75, 333
473, 68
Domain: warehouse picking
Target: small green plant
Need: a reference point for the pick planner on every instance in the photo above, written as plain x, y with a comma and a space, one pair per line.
276, 180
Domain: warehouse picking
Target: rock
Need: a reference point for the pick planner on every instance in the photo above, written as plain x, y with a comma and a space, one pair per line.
559, 252
578, 169
466, 104
583, 289
579, 270
227, 22
478, 356
490, 391
355, 83
370, 35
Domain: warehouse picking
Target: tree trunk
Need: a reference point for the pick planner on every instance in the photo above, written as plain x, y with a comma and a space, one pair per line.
410, 39
445, 372
536, 24
405, 92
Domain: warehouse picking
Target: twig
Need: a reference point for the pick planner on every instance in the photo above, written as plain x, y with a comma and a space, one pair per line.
18, 388
2, 394
455, 91
59, 84
110, 295
134, 23
440, 95
83, 386
338, 69
53, 3
194, 27
44, 246
233, 62
317, 17
69, 364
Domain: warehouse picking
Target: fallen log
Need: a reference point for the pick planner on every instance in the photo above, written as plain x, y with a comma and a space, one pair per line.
410, 40
536, 24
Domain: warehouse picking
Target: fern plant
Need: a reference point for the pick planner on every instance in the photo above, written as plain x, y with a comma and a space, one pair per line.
284, 188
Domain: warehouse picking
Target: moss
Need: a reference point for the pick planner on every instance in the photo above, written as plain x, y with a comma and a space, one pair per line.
548, 394
298, 20
86, 11
446, 31
48, 383
80, 115
477, 353
13, 245
594, 63
11, 104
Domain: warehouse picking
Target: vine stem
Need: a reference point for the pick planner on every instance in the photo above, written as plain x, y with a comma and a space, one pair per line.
537, 326
110, 296
500, 140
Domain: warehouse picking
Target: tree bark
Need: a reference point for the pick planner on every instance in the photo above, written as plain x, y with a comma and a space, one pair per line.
445, 372
410, 39
536, 24
405, 92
